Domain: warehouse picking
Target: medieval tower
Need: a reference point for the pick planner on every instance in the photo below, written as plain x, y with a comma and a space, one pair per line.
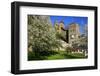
73, 32
59, 26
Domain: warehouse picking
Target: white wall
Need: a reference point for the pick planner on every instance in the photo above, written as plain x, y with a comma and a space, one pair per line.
5, 41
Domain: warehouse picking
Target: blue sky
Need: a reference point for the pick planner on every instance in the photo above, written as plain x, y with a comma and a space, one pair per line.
82, 21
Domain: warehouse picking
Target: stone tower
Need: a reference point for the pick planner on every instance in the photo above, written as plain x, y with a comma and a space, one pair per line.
56, 26
74, 33
59, 27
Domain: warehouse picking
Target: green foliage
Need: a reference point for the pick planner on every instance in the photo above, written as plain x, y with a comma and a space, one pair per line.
40, 55
69, 49
52, 55
33, 56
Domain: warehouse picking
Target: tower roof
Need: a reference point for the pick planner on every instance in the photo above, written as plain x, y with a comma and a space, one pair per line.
61, 22
73, 25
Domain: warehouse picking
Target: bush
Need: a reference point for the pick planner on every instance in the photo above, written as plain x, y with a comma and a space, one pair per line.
69, 49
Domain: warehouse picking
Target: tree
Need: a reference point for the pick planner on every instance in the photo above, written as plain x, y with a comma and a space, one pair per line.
41, 35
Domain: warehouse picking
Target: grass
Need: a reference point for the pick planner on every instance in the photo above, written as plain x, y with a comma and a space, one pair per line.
57, 56
64, 55
52, 55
